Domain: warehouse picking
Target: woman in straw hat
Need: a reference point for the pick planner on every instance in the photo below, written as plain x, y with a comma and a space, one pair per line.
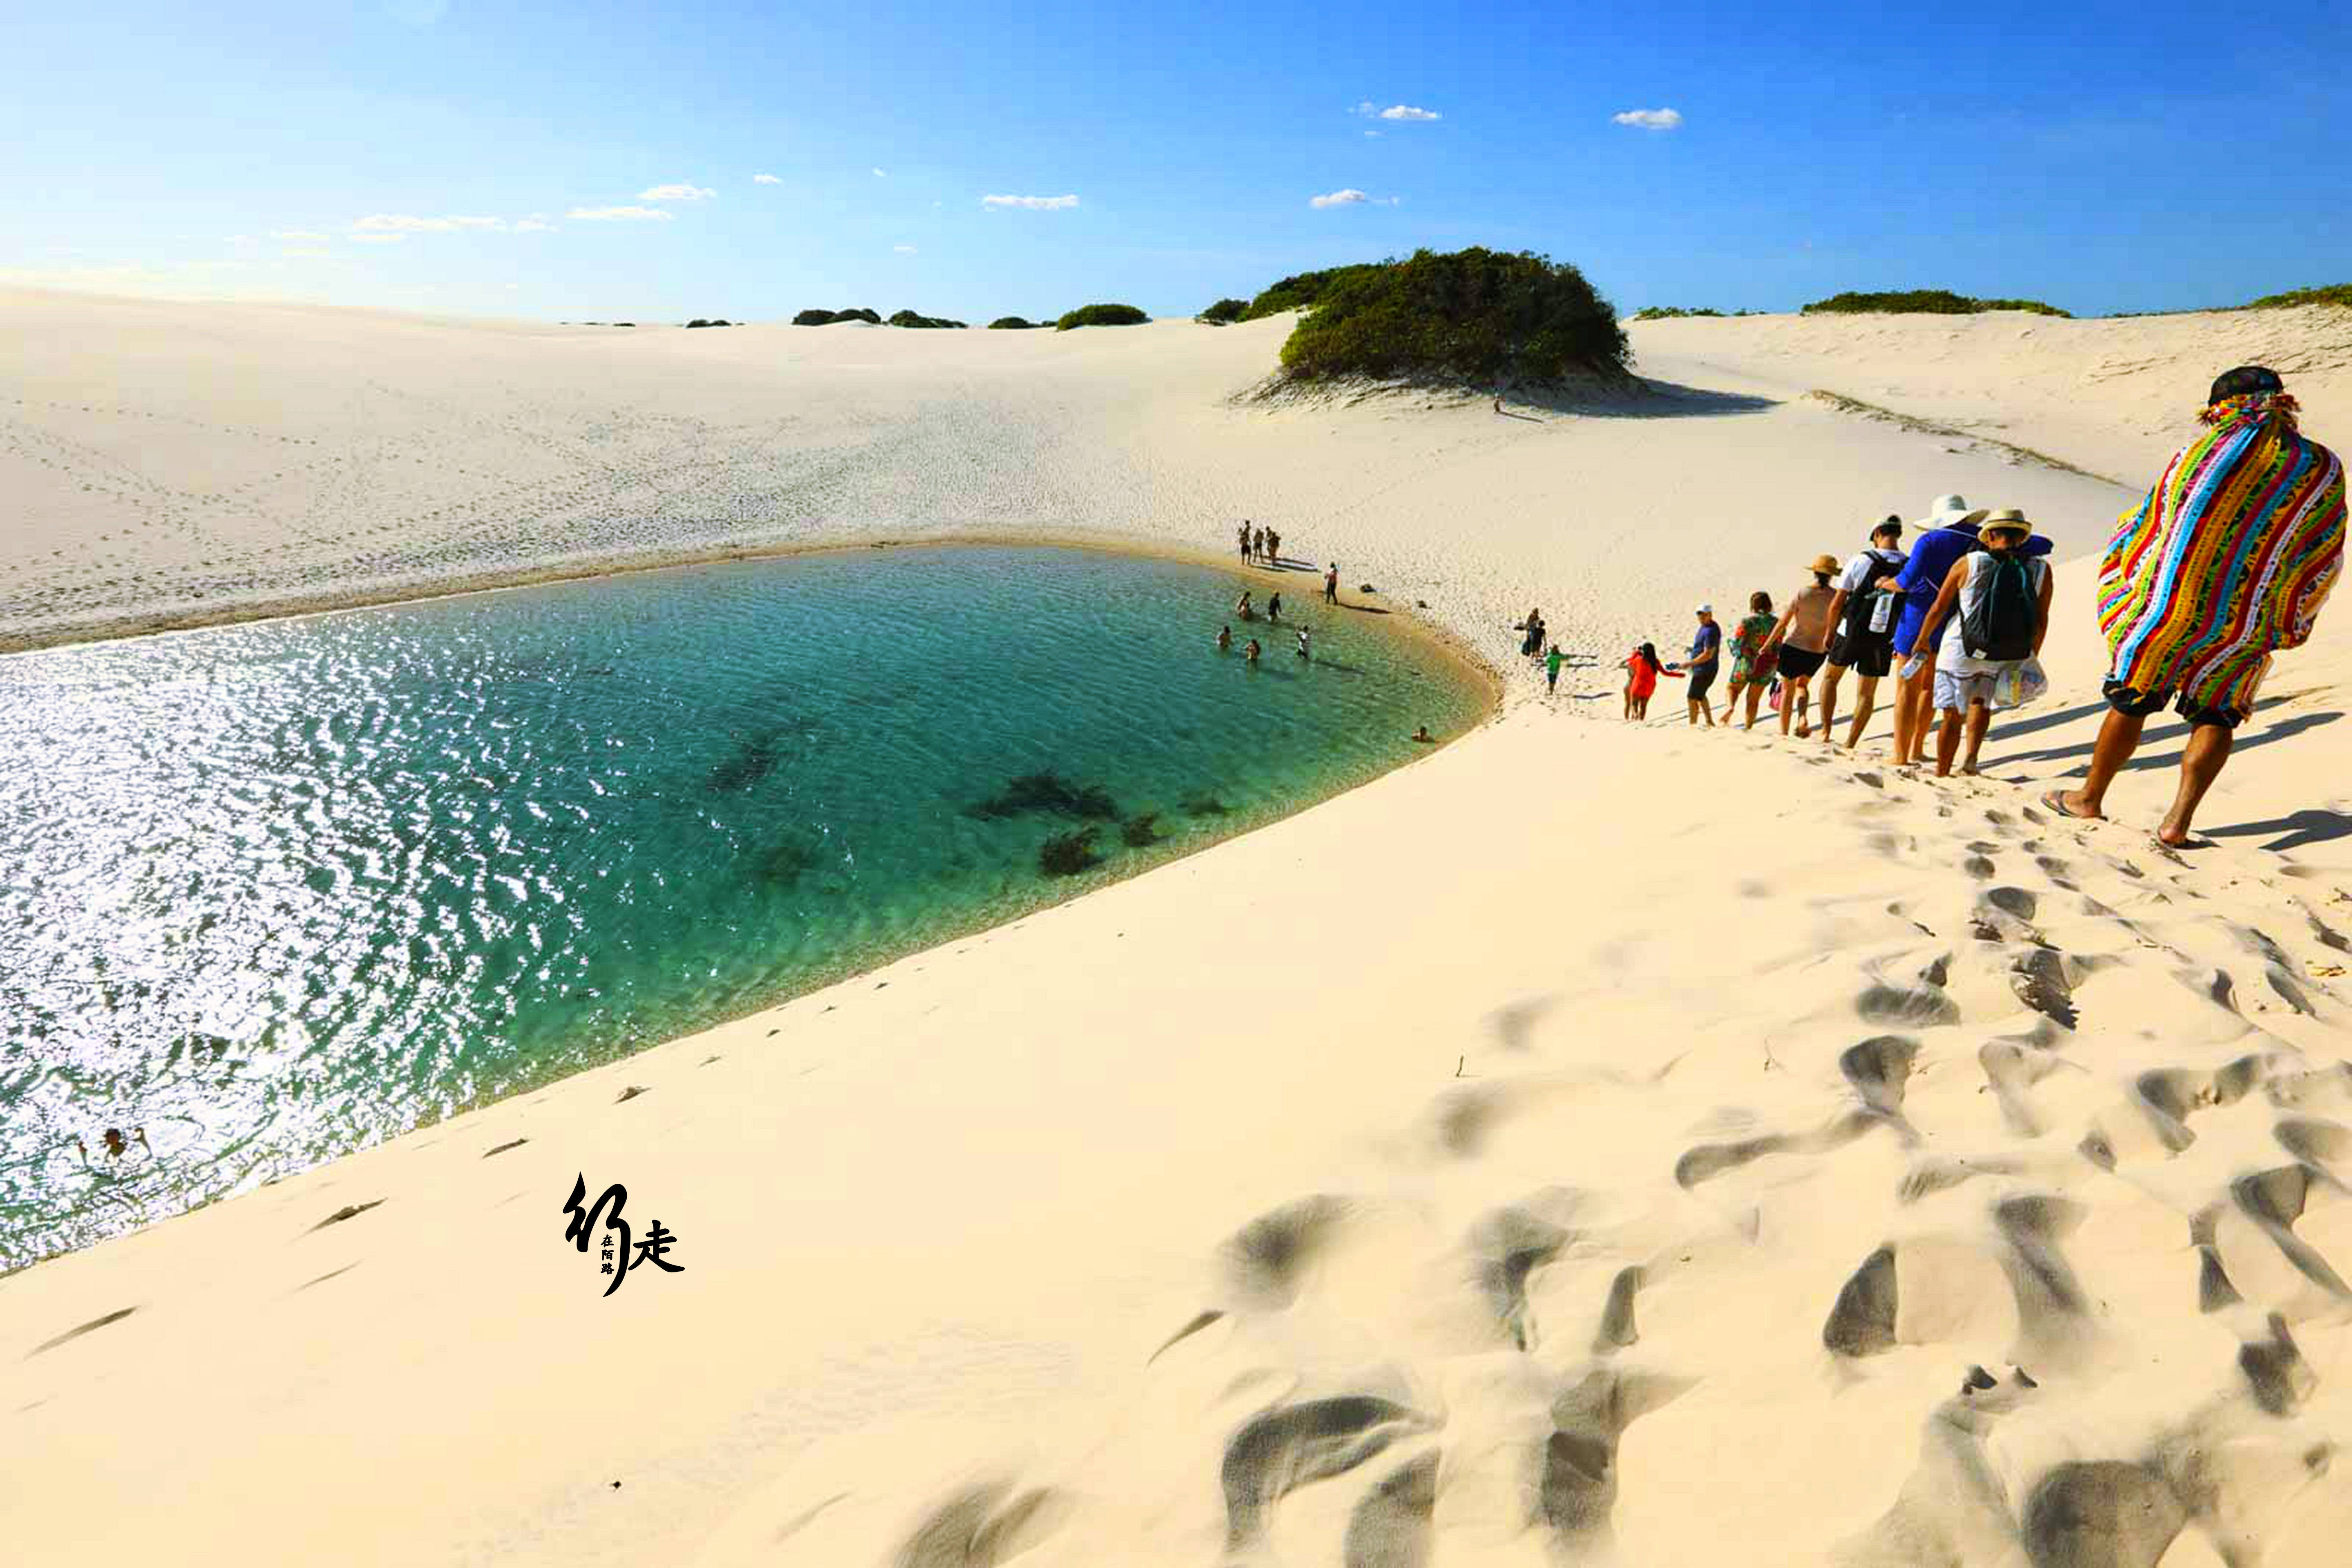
1802, 640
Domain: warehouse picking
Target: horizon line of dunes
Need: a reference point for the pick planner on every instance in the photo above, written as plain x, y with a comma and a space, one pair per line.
1943, 302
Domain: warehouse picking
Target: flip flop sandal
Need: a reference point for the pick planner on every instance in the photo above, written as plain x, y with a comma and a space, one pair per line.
2055, 800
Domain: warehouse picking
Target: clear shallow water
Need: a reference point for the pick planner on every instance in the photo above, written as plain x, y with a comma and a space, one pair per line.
277, 891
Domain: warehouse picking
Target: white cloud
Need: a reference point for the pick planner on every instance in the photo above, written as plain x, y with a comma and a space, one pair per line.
1407, 111
904, 249
301, 236
881, 174
534, 226
378, 238
308, 254
1034, 204
1372, 134
619, 214
1648, 119
675, 194
403, 223
1343, 199
766, 179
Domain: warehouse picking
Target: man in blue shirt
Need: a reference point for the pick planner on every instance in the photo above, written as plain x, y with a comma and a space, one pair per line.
1706, 655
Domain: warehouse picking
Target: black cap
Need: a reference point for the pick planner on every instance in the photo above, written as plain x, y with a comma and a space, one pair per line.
2244, 380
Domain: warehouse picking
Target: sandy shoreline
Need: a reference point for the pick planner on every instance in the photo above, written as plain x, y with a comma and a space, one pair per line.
1613, 1144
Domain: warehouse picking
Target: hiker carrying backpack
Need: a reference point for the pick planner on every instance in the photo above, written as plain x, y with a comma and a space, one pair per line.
1999, 623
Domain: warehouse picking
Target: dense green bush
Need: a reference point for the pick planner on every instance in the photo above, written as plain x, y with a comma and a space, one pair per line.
1669, 314
1477, 315
909, 319
1101, 316
714, 321
1014, 323
827, 318
1923, 301
1225, 313
2331, 294
1301, 291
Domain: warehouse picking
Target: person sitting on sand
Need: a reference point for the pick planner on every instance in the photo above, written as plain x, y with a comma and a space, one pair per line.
1751, 664
2226, 562
1802, 640
1993, 612
1331, 585
1305, 649
1553, 660
1243, 608
1706, 659
1274, 606
1642, 672
1862, 624
1252, 651
1225, 638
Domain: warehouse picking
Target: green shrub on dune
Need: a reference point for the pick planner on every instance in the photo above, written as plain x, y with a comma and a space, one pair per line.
1012, 323
827, 318
2331, 294
1669, 314
1225, 313
909, 319
1923, 302
1482, 316
1301, 291
1101, 316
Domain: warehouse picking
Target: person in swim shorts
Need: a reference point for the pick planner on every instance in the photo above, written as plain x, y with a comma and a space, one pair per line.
1705, 657
1802, 640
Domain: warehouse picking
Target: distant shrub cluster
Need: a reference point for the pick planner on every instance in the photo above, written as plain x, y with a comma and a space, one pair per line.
1225, 313
909, 319
1101, 316
1016, 324
1669, 314
1303, 291
1475, 315
715, 321
1924, 301
827, 318
2331, 294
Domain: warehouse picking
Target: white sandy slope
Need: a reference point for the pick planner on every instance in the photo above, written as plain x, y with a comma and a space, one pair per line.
1596, 1142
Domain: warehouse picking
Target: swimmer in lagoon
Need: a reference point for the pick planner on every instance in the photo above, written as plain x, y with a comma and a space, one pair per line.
1225, 639
1252, 652
1423, 736
1243, 608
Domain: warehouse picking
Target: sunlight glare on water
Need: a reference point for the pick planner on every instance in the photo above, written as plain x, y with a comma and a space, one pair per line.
277, 891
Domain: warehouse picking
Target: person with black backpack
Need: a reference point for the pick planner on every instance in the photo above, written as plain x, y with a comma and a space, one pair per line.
1863, 614
1993, 610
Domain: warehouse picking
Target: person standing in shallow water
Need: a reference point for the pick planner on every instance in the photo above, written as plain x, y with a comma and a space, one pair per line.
1225, 638
2226, 562
1274, 606
1250, 652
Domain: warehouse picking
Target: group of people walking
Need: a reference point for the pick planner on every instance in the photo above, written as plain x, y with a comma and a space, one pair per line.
2225, 561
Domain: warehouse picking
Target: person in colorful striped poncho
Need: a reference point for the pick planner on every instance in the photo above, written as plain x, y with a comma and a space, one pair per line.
2225, 562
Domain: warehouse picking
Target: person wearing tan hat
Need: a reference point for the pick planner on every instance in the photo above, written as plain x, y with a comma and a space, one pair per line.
1802, 640
1989, 617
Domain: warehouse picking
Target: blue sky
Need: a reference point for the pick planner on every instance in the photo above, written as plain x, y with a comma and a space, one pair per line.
501, 159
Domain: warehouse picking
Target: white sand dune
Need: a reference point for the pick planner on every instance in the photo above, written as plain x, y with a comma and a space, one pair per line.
1609, 1143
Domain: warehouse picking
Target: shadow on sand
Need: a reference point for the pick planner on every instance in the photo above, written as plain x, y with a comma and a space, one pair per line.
1639, 398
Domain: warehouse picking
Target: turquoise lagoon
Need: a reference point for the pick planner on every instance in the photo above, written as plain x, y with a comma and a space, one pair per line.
277, 891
